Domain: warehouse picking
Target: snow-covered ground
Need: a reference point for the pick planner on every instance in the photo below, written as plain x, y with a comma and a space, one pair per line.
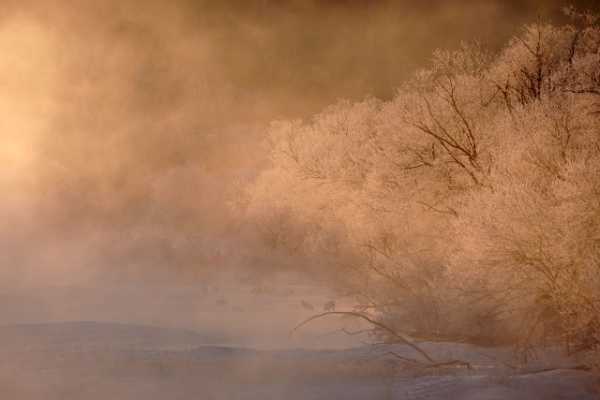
226, 342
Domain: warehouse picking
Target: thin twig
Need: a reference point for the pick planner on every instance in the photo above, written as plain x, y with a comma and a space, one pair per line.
395, 355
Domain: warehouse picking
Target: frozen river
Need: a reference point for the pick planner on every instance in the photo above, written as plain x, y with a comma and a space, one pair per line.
232, 342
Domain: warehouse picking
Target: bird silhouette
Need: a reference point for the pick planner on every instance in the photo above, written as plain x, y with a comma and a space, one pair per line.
329, 306
306, 306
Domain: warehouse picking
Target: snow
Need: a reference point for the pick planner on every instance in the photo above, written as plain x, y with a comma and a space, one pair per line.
174, 342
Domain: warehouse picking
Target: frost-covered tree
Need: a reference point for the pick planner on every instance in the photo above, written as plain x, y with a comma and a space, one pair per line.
527, 244
468, 206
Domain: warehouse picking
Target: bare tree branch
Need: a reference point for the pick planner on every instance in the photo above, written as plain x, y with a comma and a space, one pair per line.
376, 323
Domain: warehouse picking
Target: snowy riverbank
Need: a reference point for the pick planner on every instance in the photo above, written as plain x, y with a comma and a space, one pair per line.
177, 343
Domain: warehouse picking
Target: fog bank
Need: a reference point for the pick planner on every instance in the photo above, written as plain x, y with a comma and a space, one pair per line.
129, 118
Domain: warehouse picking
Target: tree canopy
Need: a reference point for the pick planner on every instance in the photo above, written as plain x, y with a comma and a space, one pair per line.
468, 206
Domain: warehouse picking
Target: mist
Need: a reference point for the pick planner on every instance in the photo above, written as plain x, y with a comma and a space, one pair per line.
153, 245
122, 119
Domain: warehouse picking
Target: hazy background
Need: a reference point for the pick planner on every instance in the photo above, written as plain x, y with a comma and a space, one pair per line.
122, 123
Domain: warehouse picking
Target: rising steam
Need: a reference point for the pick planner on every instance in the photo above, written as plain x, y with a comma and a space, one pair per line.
125, 117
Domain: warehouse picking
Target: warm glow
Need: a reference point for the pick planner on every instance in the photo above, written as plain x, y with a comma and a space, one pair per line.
28, 76
187, 183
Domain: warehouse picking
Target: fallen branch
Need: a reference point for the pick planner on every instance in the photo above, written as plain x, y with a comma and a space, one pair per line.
391, 353
344, 330
540, 369
378, 324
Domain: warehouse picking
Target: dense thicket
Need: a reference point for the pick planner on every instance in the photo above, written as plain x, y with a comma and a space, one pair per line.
468, 207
